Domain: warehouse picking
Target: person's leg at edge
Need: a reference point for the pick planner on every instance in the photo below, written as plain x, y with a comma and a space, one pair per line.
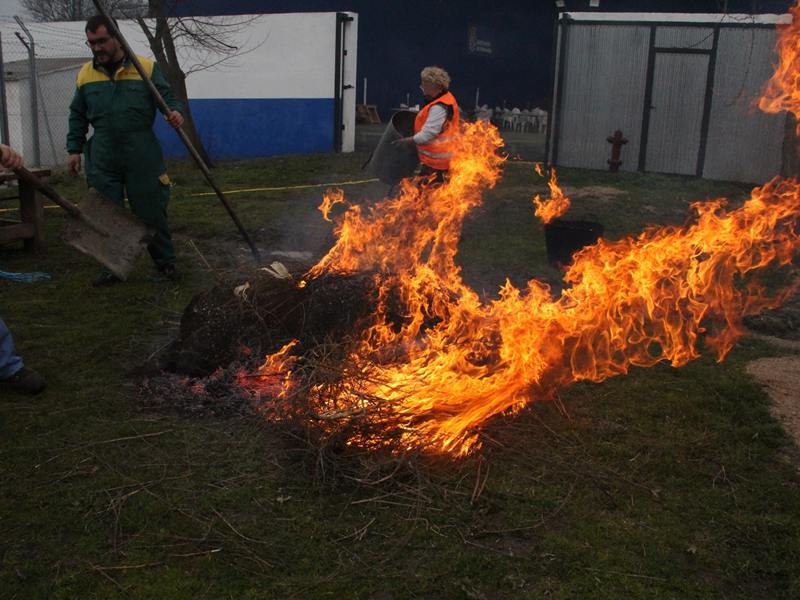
13, 372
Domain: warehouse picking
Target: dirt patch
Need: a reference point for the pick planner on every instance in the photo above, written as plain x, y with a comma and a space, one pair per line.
779, 376
603, 192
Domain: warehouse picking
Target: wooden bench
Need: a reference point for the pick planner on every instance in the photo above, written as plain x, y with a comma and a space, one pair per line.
367, 113
30, 227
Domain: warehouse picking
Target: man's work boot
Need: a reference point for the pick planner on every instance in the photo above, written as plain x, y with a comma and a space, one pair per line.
25, 381
171, 273
106, 278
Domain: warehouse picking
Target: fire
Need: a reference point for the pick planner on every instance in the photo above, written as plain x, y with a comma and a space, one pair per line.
665, 295
329, 200
274, 378
415, 234
556, 205
782, 91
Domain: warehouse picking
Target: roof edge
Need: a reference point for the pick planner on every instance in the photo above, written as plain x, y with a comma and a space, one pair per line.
711, 18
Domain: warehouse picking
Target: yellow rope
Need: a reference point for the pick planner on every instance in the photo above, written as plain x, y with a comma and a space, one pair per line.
523, 162
288, 187
265, 189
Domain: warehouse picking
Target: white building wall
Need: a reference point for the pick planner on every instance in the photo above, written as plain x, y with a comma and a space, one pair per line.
274, 97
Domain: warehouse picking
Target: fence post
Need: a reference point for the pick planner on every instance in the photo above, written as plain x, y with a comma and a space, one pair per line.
3, 102
33, 77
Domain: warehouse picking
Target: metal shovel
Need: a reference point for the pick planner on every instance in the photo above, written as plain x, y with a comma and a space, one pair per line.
98, 227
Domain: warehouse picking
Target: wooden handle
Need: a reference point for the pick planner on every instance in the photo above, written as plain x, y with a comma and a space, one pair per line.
48, 191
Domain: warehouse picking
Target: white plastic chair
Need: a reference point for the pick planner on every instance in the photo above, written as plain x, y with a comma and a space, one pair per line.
508, 120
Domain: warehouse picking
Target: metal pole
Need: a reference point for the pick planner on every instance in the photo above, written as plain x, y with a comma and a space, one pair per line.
37, 158
365, 92
52, 160
4, 109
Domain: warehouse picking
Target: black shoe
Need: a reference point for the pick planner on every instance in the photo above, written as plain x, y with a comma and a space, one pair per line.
25, 381
170, 272
105, 279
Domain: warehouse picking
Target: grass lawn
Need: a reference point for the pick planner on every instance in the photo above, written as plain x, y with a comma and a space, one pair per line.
667, 483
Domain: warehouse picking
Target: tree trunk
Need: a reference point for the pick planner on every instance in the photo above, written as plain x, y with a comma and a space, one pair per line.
163, 48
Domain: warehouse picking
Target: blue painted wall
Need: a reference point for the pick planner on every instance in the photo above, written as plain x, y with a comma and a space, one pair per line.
237, 128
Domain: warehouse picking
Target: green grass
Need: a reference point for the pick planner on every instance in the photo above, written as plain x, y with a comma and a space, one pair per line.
666, 483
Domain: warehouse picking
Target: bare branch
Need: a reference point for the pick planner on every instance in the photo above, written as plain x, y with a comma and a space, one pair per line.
77, 10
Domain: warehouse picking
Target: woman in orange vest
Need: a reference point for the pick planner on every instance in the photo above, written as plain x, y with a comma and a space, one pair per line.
436, 124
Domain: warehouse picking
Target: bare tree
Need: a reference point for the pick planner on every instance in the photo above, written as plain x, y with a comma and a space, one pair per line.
78, 10
202, 42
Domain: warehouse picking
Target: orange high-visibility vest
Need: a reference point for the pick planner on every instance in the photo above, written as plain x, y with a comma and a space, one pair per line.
436, 154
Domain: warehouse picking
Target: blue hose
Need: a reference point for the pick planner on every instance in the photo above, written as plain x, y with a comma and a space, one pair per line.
26, 277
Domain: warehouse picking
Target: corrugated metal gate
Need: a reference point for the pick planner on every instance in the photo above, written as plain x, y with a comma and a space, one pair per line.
683, 93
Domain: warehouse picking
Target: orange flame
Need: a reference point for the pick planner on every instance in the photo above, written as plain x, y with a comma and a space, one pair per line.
556, 205
415, 233
633, 302
273, 378
782, 91
330, 199
455, 361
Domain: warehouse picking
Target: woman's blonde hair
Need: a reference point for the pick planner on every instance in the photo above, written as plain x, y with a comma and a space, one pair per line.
436, 76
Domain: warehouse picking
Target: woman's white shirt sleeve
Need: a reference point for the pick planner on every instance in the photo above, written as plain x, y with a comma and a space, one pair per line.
432, 126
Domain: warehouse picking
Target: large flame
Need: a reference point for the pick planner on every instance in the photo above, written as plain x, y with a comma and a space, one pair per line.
455, 361
782, 91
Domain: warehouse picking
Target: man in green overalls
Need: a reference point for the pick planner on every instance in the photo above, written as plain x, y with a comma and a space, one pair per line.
123, 156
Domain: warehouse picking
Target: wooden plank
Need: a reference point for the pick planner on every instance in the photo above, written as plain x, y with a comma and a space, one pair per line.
32, 212
373, 114
11, 176
367, 113
14, 233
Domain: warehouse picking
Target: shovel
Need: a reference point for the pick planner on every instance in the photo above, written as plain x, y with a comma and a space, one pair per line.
98, 227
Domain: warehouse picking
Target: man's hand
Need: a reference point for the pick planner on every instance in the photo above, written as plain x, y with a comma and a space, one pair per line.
74, 164
403, 141
9, 158
174, 118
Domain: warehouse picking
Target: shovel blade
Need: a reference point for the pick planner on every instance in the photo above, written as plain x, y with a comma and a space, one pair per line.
108, 233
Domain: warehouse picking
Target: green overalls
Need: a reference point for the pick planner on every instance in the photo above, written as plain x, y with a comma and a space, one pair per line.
123, 155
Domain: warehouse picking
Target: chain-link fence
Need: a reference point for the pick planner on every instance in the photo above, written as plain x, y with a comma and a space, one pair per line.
39, 64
